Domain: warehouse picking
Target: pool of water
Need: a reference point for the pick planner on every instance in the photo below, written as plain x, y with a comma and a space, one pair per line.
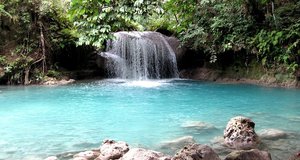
39, 121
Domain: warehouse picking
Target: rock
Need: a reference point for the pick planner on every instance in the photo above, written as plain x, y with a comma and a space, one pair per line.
240, 134
111, 149
177, 143
272, 134
143, 154
253, 154
197, 125
175, 45
196, 152
51, 158
296, 156
87, 155
53, 81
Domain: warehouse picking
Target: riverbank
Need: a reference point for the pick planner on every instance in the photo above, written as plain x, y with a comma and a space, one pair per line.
266, 79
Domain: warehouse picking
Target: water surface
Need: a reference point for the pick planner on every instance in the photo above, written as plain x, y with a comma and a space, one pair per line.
38, 121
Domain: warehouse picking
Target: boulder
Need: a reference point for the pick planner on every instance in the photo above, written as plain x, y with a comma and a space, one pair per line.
196, 152
272, 134
143, 154
178, 143
240, 133
89, 155
111, 149
295, 156
253, 154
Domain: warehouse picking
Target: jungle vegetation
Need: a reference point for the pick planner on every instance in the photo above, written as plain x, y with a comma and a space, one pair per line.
35, 35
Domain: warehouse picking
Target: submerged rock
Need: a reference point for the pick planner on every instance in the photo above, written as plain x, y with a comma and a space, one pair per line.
272, 134
198, 125
51, 158
253, 154
143, 154
196, 152
89, 155
240, 134
218, 145
177, 143
111, 149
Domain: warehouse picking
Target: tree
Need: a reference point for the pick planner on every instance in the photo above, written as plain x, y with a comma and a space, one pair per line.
95, 20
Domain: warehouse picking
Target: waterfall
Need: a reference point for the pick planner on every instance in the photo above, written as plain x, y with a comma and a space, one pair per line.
140, 56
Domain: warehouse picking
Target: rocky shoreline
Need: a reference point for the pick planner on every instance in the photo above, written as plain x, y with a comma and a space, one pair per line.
239, 142
206, 74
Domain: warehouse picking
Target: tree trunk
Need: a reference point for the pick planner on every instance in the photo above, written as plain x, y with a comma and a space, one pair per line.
26, 78
43, 47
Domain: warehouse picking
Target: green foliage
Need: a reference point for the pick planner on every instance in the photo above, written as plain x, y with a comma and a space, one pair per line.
54, 73
3, 12
37, 28
2, 60
96, 19
240, 26
14, 71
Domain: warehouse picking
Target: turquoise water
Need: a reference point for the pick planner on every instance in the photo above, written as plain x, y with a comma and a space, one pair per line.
39, 121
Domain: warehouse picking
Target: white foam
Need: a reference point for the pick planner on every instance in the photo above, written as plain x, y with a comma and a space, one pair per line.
147, 83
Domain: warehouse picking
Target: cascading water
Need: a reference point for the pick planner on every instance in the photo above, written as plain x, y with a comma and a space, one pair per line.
140, 56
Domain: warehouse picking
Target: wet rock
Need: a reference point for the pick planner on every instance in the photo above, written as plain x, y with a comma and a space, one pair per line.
89, 155
143, 154
240, 134
198, 125
111, 149
296, 156
253, 154
51, 158
218, 145
196, 152
175, 45
178, 143
272, 134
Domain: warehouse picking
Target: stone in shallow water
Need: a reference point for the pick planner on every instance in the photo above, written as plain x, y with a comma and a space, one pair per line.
272, 134
177, 143
218, 145
111, 149
87, 155
144, 154
253, 154
240, 134
198, 125
196, 152
51, 158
